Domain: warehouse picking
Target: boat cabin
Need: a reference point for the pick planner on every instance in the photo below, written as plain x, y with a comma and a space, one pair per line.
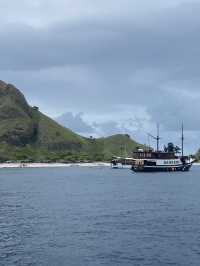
154, 155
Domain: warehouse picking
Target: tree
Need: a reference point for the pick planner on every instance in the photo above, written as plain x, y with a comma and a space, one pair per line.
171, 148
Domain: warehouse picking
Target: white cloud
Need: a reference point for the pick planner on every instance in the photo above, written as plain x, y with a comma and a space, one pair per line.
76, 123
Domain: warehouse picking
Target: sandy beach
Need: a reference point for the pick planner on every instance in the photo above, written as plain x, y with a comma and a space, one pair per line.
53, 165
48, 165
196, 164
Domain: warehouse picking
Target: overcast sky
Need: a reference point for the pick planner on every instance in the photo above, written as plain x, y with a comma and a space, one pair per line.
106, 66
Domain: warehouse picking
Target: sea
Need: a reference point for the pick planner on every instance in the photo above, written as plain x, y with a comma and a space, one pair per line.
79, 216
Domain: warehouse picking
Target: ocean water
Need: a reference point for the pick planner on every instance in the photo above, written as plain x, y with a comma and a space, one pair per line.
99, 216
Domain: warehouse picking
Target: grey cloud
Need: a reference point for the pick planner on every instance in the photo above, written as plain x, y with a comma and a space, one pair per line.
43, 12
96, 64
164, 42
177, 106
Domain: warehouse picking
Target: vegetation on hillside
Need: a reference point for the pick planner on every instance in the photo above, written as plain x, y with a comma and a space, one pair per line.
28, 135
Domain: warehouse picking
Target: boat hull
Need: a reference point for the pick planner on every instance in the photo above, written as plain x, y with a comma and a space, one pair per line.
180, 168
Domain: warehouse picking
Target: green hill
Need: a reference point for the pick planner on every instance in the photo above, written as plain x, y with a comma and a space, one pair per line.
27, 134
116, 145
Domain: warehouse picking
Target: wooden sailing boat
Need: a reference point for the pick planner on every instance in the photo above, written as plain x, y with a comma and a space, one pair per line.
167, 160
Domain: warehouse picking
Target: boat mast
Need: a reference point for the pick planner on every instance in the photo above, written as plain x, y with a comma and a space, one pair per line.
158, 137
182, 140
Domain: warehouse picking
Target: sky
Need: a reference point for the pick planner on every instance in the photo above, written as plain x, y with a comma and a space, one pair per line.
107, 67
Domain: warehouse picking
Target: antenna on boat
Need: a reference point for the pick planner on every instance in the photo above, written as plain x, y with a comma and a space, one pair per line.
182, 140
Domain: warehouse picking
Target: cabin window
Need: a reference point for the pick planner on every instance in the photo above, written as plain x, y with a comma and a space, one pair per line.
149, 163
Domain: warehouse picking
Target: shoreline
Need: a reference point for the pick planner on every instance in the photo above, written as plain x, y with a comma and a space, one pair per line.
52, 165
58, 165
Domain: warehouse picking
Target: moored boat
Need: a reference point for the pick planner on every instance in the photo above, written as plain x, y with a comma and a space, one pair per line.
167, 160
122, 162
150, 161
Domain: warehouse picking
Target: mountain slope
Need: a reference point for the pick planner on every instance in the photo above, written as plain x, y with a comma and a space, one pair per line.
53, 136
21, 124
28, 134
118, 145
17, 125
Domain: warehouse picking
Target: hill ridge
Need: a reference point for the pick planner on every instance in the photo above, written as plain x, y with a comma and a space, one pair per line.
26, 133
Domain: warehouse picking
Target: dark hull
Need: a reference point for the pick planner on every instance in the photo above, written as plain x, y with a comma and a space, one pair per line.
182, 168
